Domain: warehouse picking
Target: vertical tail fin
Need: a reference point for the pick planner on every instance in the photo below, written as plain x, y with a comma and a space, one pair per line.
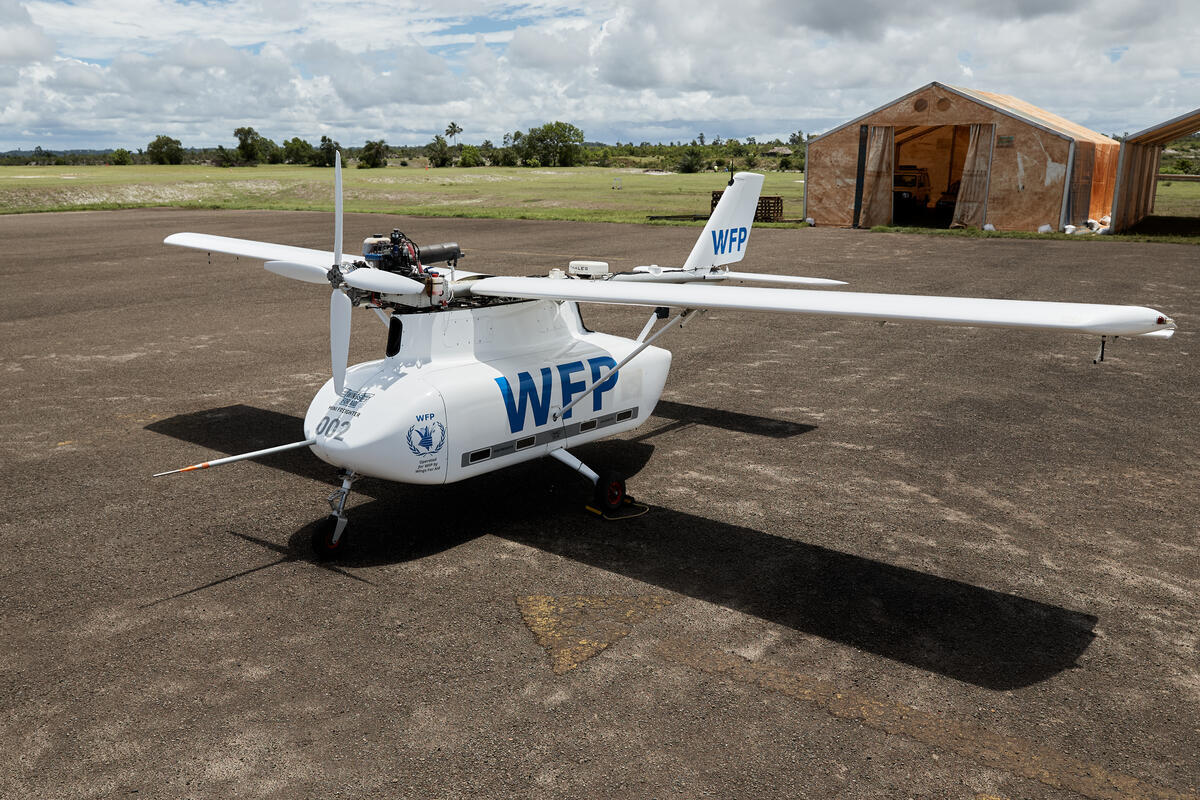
723, 240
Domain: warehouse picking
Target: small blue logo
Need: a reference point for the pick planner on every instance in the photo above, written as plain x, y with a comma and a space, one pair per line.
422, 440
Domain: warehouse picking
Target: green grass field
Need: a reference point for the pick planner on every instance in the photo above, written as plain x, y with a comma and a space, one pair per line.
1178, 199
587, 194
580, 193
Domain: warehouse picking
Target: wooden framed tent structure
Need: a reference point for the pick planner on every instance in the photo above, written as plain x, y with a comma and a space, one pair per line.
1137, 169
949, 156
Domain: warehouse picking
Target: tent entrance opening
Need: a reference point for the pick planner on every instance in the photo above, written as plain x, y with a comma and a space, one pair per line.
929, 167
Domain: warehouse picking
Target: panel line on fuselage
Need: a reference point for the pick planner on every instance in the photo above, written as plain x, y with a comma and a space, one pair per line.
482, 455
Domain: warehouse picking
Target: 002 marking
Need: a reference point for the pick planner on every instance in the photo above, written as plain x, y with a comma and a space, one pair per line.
332, 428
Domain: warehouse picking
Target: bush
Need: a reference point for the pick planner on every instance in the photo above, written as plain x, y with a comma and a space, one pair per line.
122, 157
691, 161
225, 158
325, 153
253, 147
373, 155
438, 152
165, 150
555, 144
471, 157
297, 151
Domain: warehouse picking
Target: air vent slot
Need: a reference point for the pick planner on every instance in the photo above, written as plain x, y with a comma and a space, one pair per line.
395, 333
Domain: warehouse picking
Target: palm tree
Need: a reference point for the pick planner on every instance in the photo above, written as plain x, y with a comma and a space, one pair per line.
452, 131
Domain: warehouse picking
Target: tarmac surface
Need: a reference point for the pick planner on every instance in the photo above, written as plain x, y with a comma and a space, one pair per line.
878, 561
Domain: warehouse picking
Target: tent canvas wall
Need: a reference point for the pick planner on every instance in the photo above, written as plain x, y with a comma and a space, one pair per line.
988, 158
1137, 171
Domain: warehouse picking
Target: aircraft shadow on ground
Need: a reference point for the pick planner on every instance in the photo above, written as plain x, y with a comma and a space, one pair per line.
241, 429
969, 633
728, 420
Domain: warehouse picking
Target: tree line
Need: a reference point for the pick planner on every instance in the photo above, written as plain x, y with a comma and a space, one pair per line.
554, 144
560, 144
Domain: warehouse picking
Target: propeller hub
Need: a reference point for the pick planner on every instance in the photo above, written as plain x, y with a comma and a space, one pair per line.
336, 278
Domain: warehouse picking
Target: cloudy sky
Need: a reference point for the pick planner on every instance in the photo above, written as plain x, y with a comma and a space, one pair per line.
115, 73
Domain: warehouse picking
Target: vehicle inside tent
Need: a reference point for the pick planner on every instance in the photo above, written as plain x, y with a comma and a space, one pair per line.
929, 167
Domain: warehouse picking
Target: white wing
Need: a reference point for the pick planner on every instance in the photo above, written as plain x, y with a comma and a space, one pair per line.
1031, 314
266, 251
680, 275
249, 248
794, 280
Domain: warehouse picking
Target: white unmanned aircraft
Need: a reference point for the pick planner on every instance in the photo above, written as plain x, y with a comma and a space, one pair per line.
482, 372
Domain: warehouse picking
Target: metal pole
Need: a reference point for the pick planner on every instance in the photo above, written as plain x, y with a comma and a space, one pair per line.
269, 451
681, 316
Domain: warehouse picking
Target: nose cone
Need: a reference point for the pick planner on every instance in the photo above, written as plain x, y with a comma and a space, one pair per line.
387, 423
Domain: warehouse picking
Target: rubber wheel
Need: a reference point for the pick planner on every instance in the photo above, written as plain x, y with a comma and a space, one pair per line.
610, 492
322, 540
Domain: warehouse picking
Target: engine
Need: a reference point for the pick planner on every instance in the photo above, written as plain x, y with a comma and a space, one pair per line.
397, 253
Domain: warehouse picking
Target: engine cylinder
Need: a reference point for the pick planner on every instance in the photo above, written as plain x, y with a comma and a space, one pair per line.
437, 253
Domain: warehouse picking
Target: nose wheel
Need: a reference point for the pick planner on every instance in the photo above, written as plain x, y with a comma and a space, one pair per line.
329, 540
609, 494
609, 498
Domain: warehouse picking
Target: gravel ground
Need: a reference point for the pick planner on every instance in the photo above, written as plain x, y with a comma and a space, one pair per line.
879, 561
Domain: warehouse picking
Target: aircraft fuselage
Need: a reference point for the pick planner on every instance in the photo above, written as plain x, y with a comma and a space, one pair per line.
472, 390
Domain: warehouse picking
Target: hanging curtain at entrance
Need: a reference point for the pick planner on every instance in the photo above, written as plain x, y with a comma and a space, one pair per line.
877, 177
971, 206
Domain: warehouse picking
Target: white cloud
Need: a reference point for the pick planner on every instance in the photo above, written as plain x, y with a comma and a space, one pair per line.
119, 72
21, 41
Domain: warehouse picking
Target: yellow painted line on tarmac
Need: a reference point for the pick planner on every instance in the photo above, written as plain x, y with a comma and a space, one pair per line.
1012, 754
574, 628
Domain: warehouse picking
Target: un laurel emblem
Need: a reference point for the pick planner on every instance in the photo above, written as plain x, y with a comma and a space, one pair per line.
426, 440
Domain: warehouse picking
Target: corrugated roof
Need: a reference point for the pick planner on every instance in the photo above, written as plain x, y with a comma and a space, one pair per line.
1168, 131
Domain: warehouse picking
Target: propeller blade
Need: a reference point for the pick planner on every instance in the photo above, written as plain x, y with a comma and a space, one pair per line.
298, 271
339, 337
377, 280
337, 207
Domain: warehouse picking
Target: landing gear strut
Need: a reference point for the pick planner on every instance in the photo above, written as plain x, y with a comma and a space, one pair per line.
609, 492
329, 540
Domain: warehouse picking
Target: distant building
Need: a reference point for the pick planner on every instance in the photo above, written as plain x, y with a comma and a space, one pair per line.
779, 151
948, 156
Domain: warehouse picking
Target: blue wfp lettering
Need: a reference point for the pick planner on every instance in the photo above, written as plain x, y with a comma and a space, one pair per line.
734, 238
529, 397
